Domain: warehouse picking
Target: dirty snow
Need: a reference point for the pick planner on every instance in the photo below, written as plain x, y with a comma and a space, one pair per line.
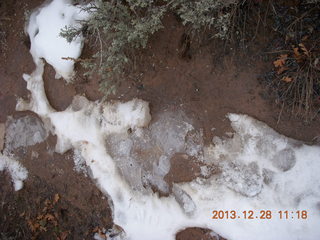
24, 131
259, 168
16, 171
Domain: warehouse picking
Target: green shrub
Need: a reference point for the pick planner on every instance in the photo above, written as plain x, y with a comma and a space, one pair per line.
119, 28
205, 14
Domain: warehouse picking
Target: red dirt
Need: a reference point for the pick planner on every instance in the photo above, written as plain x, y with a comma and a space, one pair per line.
207, 86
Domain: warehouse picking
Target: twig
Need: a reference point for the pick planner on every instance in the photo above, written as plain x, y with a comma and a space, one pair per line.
279, 116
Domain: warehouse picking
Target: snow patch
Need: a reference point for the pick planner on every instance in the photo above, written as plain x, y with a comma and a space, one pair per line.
17, 172
44, 29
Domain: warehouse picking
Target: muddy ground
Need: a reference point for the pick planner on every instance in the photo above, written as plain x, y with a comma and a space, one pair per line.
208, 83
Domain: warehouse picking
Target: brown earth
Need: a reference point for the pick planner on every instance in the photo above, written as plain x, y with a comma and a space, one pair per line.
206, 84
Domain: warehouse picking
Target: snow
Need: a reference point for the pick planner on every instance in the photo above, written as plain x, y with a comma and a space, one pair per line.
259, 169
17, 172
44, 29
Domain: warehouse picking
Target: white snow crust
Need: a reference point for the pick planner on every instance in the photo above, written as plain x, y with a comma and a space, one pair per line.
44, 29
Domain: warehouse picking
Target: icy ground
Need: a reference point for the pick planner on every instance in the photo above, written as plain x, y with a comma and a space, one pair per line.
125, 152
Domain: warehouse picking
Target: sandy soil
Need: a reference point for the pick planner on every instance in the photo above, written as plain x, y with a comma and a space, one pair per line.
207, 84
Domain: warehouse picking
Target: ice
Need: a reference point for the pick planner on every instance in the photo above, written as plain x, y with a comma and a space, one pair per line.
79, 163
169, 131
184, 200
205, 171
17, 172
284, 160
244, 179
23, 132
143, 155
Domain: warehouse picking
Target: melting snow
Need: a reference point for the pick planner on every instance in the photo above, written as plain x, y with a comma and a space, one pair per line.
259, 168
17, 172
44, 29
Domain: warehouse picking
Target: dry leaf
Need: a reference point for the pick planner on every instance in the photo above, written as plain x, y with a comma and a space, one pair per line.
56, 198
281, 60
102, 234
43, 229
49, 217
282, 69
296, 52
287, 79
304, 49
64, 235
47, 202
33, 226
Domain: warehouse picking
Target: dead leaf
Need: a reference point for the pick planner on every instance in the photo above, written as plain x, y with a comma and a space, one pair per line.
33, 226
22, 214
281, 60
43, 229
47, 202
102, 234
304, 49
56, 198
287, 79
64, 235
49, 217
296, 52
282, 69
43, 222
